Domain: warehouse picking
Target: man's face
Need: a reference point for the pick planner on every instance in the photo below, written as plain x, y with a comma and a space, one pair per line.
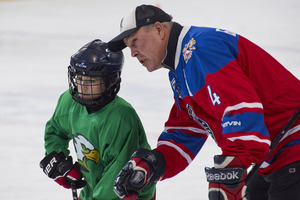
90, 88
147, 46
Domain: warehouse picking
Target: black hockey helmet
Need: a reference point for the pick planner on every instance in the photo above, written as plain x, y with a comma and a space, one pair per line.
95, 60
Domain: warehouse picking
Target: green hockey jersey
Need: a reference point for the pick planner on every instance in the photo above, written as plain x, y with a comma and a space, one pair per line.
103, 141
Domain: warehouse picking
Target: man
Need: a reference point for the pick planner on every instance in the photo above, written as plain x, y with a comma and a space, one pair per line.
105, 128
224, 86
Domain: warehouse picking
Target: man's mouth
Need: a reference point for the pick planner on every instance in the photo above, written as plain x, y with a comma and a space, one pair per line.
142, 61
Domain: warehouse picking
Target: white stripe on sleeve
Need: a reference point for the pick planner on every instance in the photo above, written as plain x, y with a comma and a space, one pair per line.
196, 130
250, 137
242, 105
185, 155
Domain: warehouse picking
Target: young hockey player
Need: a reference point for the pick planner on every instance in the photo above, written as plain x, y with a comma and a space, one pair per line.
105, 129
224, 86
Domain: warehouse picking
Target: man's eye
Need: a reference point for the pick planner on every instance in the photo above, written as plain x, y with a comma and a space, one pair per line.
133, 41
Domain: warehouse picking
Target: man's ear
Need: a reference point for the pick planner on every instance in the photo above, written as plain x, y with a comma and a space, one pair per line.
160, 29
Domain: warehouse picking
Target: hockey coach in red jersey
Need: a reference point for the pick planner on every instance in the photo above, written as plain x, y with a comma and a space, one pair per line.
224, 86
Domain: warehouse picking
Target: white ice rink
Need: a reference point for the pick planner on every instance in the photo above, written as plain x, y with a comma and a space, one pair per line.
37, 38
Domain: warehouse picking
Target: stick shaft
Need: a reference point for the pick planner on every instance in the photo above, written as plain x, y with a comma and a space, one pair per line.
74, 191
275, 142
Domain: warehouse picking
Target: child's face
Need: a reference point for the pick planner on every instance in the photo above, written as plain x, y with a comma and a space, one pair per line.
90, 87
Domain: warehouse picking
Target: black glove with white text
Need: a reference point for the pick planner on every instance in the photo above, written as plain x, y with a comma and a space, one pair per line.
60, 168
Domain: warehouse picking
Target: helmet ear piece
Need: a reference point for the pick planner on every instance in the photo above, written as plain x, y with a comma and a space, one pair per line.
114, 78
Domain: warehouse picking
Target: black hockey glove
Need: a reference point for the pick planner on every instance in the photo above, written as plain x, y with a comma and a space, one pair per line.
61, 169
226, 179
145, 167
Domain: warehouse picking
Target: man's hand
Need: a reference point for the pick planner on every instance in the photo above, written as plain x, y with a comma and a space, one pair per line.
226, 179
61, 169
144, 167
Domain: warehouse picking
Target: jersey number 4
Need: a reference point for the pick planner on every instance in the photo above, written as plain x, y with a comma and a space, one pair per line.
213, 96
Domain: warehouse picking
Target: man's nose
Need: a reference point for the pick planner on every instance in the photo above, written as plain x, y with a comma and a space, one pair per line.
134, 52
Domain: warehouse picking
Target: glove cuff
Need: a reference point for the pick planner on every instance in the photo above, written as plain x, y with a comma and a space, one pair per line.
223, 161
227, 170
226, 179
226, 175
75, 177
154, 159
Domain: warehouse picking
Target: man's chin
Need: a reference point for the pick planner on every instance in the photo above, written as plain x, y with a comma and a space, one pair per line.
152, 68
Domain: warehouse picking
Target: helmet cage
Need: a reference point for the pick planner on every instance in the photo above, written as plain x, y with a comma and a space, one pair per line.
109, 82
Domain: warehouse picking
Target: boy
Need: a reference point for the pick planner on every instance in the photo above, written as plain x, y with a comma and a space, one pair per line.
105, 129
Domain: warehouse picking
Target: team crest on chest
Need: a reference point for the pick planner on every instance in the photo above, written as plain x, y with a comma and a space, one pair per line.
188, 50
85, 151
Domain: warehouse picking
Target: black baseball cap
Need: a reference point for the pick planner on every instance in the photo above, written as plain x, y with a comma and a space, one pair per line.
141, 16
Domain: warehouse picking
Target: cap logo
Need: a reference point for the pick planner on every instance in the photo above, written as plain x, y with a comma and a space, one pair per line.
148, 20
121, 24
128, 22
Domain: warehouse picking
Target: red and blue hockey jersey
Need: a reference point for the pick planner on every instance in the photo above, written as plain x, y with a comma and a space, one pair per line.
229, 88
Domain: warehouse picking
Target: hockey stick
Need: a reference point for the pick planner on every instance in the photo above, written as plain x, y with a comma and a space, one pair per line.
74, 191
274, 143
